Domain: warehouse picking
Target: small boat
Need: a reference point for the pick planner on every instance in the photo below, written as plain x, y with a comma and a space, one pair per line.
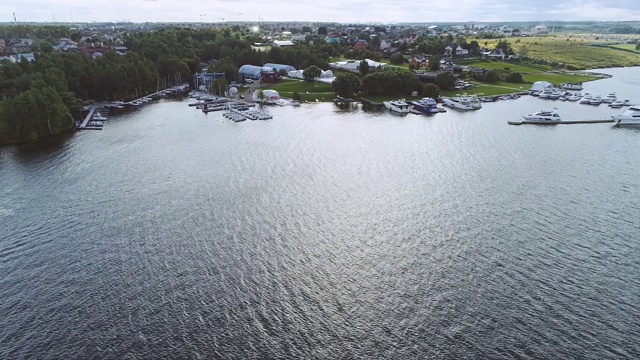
458, 102
399, 106
134, 103
550, 115
98, 117
545, 94
535, 93
555, 95
596, 100
630, 117
570, 86
617, 104
609, 99
586, 99
574, 97
426, 105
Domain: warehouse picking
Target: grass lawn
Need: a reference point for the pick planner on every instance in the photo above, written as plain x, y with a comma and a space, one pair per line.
522, 68
569, 49
626, 47
557, 78
301, 86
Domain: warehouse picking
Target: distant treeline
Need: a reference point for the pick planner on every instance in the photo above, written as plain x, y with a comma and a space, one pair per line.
42, 98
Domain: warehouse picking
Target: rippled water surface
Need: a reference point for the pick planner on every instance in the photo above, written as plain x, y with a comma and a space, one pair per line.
326, 234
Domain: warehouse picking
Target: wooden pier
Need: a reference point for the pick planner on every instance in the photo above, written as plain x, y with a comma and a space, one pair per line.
565, 122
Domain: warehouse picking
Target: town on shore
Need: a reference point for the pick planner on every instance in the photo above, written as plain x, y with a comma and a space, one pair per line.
49, 71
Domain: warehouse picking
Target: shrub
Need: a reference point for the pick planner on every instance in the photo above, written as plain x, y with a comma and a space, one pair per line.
514, 78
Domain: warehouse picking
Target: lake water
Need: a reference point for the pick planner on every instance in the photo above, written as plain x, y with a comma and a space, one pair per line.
326, 234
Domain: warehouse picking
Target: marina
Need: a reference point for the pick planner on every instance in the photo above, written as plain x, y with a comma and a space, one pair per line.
97, 113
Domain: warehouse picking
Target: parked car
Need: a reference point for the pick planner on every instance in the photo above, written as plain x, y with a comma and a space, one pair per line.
248, 81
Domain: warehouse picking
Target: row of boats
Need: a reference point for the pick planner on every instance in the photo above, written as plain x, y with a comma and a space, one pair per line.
429, 105
425, 105
587, 98
234, 110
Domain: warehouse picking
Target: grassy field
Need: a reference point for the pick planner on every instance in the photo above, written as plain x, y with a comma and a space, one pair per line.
626, 47
309, 91
532, 74
569, 49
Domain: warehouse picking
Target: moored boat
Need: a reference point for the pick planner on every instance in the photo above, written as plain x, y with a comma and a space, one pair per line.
585, 99
609, 99
426, 105
570, 86
399, 106
596, 100
544, 115
631, 116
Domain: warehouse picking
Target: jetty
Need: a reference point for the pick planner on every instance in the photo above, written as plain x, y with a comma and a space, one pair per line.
563, 122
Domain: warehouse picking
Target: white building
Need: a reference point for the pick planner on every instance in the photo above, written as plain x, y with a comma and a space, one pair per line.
354, 65
282, 43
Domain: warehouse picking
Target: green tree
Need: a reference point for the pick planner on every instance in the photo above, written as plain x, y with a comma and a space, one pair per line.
446, 81
312, 72
434, 63
431, 90
491, 76
346, 85
364, 67
514, 78
306, 30
322, 30
296, 96
638, 46
396, 59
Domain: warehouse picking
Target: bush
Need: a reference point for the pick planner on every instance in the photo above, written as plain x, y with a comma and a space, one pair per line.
296, 96
514, 78
431, 90
396, 59
491, 76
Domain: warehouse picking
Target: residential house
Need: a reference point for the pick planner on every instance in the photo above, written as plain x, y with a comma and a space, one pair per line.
495, 54
360, 45
448, 51
384, 44
418, 61
20, 45
298, 38
333, 38
460, 51
387, 52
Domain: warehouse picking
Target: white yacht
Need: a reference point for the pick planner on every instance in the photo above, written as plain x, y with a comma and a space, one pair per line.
574, 97
550, 115
630, 117
545, 94
619, 103
458, 102
609, 99
596, 100
399, 106
586, 99
556, 94
569, 86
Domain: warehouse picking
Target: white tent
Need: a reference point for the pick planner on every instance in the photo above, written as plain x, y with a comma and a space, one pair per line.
296, 74
540, 86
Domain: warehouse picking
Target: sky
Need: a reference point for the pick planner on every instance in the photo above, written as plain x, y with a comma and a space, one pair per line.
352, 11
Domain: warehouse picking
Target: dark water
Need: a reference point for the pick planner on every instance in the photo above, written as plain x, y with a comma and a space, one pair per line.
326, 234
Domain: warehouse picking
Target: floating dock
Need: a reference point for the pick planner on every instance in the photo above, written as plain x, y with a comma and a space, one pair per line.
565, 122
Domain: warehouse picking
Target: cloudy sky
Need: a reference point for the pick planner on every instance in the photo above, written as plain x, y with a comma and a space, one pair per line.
352, 11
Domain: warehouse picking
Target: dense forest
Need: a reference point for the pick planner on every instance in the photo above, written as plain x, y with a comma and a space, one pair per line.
43, 97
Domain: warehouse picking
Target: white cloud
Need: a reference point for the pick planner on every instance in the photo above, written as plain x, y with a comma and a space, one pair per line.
356, 11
